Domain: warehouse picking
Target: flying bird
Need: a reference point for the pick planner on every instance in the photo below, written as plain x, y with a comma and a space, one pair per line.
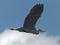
31, 19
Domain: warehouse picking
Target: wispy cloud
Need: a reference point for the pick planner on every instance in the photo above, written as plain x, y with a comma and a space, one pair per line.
9, 37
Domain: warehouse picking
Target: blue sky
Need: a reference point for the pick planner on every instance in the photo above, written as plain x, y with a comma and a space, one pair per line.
13, 13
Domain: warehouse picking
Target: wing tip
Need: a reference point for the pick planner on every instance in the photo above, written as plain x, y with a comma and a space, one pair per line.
39, 5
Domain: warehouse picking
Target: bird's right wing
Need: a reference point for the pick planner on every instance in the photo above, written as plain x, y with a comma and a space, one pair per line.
33, 16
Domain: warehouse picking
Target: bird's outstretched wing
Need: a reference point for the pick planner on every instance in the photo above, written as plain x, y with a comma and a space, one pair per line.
33, 16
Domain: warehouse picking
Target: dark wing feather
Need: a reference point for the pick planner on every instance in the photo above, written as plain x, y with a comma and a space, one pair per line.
33, 16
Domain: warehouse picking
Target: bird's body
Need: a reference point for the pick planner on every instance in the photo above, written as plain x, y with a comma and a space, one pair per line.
31, 19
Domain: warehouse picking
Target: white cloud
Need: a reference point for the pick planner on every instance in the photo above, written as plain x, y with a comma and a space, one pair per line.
9, 37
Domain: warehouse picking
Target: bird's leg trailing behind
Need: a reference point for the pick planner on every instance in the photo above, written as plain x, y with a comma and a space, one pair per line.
41, 30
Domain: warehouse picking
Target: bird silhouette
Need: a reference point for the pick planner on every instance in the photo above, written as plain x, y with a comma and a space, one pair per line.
31, 20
